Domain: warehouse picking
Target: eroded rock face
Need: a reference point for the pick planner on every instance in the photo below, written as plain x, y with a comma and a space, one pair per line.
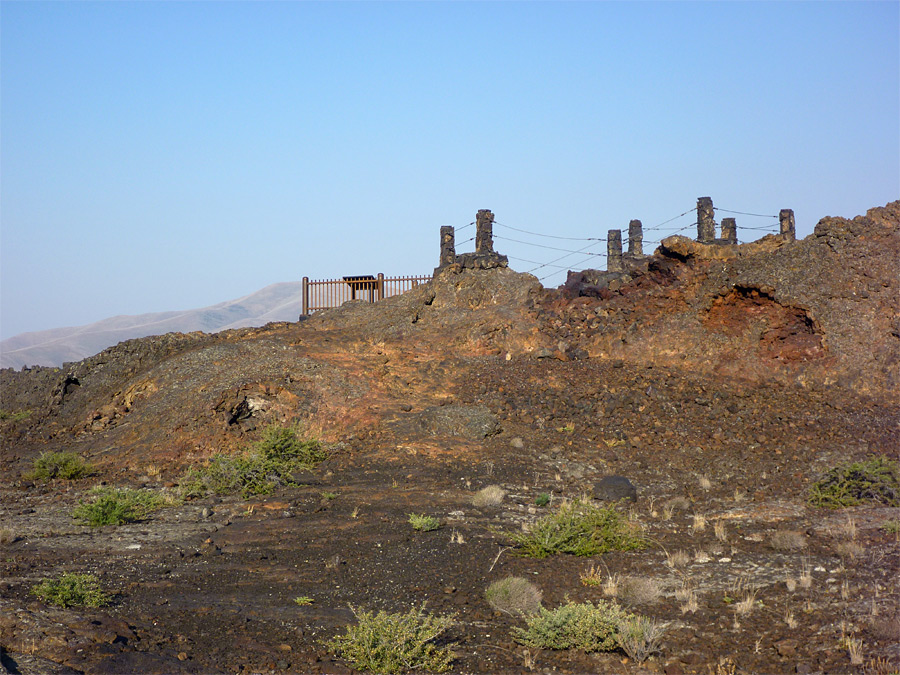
819, 311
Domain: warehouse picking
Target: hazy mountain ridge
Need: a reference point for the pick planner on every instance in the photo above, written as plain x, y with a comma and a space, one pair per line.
276, 302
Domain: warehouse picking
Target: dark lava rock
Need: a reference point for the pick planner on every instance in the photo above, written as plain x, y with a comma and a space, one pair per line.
615, 488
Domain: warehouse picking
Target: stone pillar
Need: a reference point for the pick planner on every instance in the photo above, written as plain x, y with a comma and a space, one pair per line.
635, 238
448, 246
729, 230
786, 218
484, 231
706, 222
614, 251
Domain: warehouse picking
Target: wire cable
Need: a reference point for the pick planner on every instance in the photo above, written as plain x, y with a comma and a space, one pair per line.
549, 236
743, 213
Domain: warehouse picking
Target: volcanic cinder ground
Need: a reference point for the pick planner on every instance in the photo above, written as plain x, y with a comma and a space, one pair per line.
721, 381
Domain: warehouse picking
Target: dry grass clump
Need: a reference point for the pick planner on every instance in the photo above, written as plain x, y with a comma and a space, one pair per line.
514, 595
639, 590
7, 536
699, 522
491, 495
639, 637
677, 558
849, 549
719, 530
788, 540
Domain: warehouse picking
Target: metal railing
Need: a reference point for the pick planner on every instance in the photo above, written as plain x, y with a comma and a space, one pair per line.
327, 293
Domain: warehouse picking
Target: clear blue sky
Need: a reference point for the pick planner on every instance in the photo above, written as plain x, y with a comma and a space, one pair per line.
170, 155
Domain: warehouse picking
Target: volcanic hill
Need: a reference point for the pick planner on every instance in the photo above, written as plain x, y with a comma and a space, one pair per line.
722, 382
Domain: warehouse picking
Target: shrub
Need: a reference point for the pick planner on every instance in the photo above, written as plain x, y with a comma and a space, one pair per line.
271, 463
584, 626
579, 528
395, 643
639, 637
874, 480
72, 590
14, 416
492, 495
788, 540
66, 465
514, 595
542, 499
423, 523
118, 506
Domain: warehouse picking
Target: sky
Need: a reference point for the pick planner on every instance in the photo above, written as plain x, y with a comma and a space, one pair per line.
161, 156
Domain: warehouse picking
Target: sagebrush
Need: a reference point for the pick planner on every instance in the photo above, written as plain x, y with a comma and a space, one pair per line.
118, 506
395, 643
876, 480
72, 590
270, 463
585, 626
580, 528
65, 465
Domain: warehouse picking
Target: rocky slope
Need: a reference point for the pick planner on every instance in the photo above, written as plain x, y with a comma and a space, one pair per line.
721, 381
278, 302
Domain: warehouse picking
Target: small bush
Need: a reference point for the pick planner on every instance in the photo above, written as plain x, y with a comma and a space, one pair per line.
395, 643
492, 495
584, 626
640, 590
542, 499
72, 590
66, 465
270, 464
891, 526
639, 637
118, 506
875, 480
423, 523
788, 540
514, 595
579, 528
14, 416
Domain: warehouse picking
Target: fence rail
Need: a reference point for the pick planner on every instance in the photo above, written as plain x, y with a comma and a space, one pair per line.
327, 293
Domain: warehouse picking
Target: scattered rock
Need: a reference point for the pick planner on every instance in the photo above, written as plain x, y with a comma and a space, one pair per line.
615, 488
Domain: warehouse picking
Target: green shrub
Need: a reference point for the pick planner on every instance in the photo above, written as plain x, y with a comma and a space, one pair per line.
891, 526
423, 523
118, 506
17, 416
542, 499
395, 643
270, 464
66, 465
285, 444
514, 595
584, 626
579, 528
874, 480
72, 590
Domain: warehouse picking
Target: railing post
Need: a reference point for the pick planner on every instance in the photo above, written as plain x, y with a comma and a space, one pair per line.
614, 251
380, 286
448, 246
706, 223
484, 231
305, 296
786, 220
635, 238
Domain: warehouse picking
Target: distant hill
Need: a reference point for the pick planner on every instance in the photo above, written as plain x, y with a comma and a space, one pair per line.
278, 302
